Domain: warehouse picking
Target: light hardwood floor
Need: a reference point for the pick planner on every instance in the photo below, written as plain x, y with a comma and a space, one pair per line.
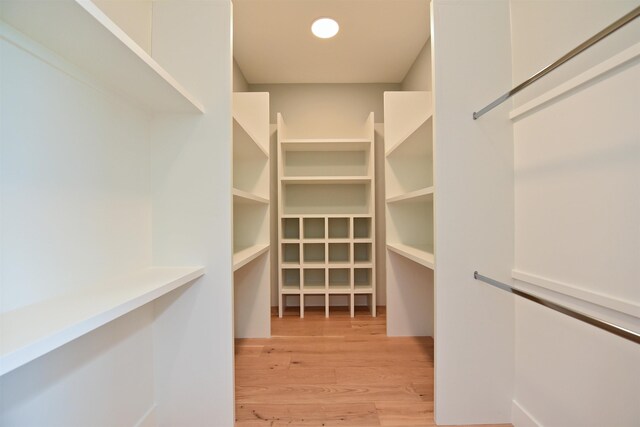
334, 372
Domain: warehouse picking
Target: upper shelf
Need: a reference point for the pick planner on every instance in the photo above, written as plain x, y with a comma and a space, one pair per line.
30, 332
81, 33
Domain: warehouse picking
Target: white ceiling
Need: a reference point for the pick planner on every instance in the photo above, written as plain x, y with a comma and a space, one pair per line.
377, 43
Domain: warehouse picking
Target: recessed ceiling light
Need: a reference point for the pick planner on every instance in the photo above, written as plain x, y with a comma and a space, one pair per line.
325, 28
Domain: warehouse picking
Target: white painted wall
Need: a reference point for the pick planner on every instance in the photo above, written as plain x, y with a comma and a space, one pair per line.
577, 168
418, 77
192, 177
473, 177
76, 210
330, 110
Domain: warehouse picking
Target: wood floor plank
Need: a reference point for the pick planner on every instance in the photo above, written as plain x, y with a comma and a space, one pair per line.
360, 415
396, 414
325, 394
379, 375
248, 350
269, 361
269, 377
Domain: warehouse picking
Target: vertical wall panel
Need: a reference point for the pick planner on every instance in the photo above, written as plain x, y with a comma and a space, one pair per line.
473, 212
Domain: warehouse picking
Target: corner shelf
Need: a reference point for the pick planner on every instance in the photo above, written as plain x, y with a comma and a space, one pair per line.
244, 256
240, 196
95, 44
422, 256
32, 331
424, 194
408, 134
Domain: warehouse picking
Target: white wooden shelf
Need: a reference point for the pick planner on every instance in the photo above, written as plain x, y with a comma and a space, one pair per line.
326, 180
240, 196
410, 132
80, 32
245, 255
424, 194
249, 138
422, 256
32, 331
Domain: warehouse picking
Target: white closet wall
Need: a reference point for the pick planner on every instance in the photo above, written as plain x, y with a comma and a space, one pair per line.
577, 209
101, 180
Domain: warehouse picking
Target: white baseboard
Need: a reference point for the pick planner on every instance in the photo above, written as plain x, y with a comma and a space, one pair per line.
148, 419
520, 417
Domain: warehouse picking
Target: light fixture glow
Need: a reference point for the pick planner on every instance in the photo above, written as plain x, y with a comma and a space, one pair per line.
325, 28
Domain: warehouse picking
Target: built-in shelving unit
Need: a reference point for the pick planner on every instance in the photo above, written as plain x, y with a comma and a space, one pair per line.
95, 44
326, 234
251, 214
410, 195
409, 175
112, 177
34, 330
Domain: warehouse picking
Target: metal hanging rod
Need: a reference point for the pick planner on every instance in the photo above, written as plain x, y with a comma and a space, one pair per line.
574, 52
598, 323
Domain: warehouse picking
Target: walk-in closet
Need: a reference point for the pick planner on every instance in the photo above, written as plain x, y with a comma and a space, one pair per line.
375, 213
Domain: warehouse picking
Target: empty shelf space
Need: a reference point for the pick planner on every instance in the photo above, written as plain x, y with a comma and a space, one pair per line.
240, 196
326, 199
362, 228
245, 255
338, 228
314, 280
362, 253
424, 194
423, 255
313, 228
291, 253
313, 253
290, 280
290, 228
32, 331
339, 253
322, 163
363, 280
94, 43
339, 279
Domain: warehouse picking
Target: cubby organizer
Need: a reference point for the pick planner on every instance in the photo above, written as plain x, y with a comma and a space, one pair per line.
327, 222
